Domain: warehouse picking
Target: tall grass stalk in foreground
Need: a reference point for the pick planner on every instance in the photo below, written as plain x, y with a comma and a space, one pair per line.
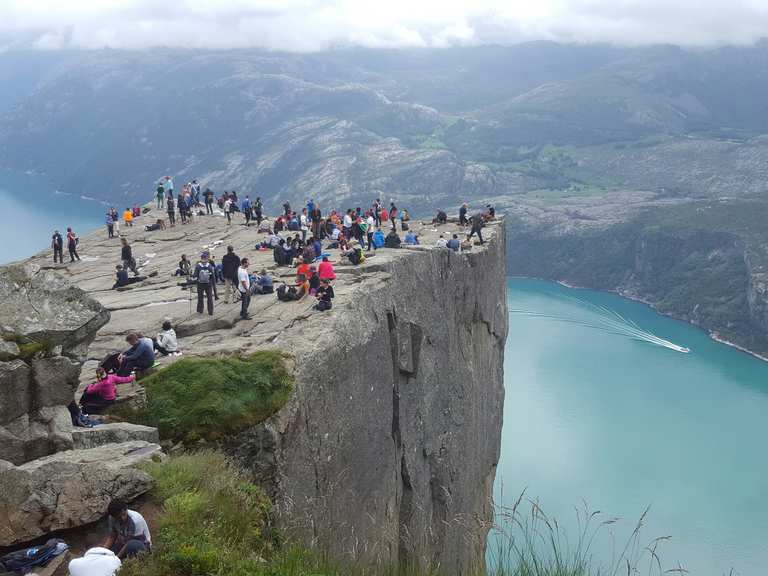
525, 541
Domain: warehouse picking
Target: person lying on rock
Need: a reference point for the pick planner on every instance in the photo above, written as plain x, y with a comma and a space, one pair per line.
122, 278
97, 397
128, 531
166, 342
140, 356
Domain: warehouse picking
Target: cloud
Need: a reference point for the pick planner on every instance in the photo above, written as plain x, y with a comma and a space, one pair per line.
308, 25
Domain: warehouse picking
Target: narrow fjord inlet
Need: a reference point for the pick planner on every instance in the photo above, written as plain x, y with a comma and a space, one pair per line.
624, 423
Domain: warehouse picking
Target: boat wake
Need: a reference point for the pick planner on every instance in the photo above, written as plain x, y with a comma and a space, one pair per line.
609, 321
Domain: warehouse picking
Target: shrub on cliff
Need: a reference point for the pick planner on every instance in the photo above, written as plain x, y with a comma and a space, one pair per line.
207, 398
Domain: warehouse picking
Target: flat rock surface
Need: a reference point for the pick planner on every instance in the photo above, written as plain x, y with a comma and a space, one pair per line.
146, 305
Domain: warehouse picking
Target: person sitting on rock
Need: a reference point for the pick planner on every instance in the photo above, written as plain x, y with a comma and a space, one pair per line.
128, 531
302, 269
166, 342
411, 238
263, 284
325, 270
454, 243
392, 240
123, 279
441, 242
140, 356
314, 280
95, 562
97, 397
324, 295
378, 239
292, 293
184, 267
441, 218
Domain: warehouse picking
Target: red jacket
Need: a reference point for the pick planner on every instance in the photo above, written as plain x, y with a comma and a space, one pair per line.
107, 388
325, 270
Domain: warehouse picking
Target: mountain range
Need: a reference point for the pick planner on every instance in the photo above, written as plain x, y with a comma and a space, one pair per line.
639, 170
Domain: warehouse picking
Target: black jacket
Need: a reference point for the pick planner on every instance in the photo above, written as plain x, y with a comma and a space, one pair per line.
229, 265
125, 254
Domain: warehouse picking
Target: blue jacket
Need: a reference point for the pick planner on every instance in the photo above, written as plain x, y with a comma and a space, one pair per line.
246, 205
141, 353
378, 239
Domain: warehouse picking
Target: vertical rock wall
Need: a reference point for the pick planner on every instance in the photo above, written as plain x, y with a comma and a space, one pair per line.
387, 451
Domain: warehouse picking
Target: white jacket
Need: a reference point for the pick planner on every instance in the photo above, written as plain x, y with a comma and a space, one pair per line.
167, 339
95, 562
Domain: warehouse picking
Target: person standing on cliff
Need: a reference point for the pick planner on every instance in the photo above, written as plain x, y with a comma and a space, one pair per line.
229, 266
244, 287
57, 243
205, 275
463, 215
160, 196
477, 227
72, 242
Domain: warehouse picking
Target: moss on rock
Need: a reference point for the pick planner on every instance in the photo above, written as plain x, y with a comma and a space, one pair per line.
209, 398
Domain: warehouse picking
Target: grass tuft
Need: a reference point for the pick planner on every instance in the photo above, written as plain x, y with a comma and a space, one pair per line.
210, 398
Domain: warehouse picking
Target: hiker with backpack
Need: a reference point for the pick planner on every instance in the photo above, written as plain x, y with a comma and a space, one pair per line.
128, 531
205, 275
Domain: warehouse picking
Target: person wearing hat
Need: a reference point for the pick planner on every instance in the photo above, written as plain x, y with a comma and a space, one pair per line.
205, 275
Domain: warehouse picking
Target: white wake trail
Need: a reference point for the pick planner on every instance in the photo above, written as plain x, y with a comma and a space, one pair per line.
607, 320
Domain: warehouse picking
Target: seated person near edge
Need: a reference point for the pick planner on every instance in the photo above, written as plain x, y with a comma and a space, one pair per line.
128, 531
325, 270
166, 342
139, 356
102, 393
264, 283
122, 278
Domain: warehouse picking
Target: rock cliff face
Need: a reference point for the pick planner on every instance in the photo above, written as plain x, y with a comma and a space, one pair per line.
388, 448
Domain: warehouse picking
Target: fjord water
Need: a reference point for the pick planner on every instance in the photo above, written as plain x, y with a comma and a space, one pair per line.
593, 415
32, 210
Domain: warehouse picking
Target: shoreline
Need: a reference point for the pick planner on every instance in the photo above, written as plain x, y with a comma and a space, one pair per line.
710, 333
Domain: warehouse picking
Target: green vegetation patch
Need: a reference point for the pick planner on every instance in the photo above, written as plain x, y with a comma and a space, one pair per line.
209, 398
212, 520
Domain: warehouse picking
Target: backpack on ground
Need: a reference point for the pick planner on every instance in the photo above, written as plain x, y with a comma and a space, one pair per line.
22, 561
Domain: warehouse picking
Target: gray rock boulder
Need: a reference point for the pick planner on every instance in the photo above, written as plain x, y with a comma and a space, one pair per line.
114, 433
69, 489
56, 380
15, 393
40, 306
36, 434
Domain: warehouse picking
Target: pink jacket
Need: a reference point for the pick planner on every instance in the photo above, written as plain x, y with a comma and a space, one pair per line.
325, 270
107, 388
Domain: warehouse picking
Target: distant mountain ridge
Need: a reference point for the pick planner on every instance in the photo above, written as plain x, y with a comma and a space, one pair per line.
640, 170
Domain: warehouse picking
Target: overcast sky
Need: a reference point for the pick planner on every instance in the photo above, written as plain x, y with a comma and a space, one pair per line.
305, 25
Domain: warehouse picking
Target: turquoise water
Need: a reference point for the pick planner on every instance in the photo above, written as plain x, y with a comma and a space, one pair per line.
592, 414
32, 210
